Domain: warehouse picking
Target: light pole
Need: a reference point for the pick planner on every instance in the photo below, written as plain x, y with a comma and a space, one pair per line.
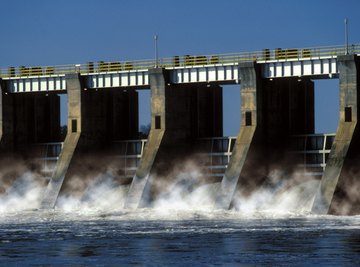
346, 37
156, 51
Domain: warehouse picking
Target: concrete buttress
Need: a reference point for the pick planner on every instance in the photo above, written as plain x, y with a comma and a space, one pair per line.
1, 110
249, 113
157, 79
341, 171
96, 118
72, 137
272, 111
180, 115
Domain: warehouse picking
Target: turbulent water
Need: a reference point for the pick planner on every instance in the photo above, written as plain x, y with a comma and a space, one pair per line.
271, 228
177, 238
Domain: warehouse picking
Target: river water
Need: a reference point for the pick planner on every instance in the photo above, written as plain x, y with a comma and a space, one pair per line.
179, 229
149, 237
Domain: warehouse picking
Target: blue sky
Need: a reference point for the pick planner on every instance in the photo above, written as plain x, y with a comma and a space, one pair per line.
46, 32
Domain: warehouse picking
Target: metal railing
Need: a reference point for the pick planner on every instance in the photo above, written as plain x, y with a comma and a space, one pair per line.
182, 61
129, 152
218, 155
314, 150
47, 155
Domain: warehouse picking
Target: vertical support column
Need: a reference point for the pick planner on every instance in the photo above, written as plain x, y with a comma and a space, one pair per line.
95, 109
346, 134
180, 114
288, 107
24, 115
157, 78
301, 106
208, 113
2, 124
95, 119
45, 124
125, 114
250, 114
7, 142
73, 87
7, 120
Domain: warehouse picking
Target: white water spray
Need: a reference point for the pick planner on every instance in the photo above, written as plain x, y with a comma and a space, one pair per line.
188, 193
101, 194
24, 194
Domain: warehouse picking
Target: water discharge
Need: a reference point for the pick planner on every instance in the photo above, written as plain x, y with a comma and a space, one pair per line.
272, 226
24, 194
185, 194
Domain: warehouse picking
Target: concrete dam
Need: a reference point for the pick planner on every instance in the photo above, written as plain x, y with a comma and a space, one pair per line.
276, 146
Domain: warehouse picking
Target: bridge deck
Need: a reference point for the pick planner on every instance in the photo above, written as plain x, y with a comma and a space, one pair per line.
313, 62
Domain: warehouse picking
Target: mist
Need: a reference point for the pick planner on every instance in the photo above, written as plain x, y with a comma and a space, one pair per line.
102, 194
24, 194
185, 189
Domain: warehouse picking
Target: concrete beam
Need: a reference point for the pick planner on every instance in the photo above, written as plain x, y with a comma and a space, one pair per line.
347, 136
250, 103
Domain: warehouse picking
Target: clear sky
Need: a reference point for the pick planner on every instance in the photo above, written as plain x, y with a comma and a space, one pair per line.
46, 32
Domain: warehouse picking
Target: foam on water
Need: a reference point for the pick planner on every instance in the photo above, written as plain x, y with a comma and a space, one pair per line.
183, 200
24, 194
270, 227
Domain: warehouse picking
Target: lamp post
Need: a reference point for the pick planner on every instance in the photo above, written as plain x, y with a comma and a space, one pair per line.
346, 37
156, 51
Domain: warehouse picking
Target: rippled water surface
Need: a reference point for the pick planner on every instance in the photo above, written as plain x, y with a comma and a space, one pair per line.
151, 238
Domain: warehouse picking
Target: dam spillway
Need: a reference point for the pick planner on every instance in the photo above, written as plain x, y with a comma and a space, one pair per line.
277, 103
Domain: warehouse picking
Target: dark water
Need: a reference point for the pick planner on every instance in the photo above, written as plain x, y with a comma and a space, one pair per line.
144, 238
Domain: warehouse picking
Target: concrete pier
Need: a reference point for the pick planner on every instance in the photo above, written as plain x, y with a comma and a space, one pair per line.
95, 119
180, 114
158, 83
339, 187
250, 117
72, 137
272, 111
